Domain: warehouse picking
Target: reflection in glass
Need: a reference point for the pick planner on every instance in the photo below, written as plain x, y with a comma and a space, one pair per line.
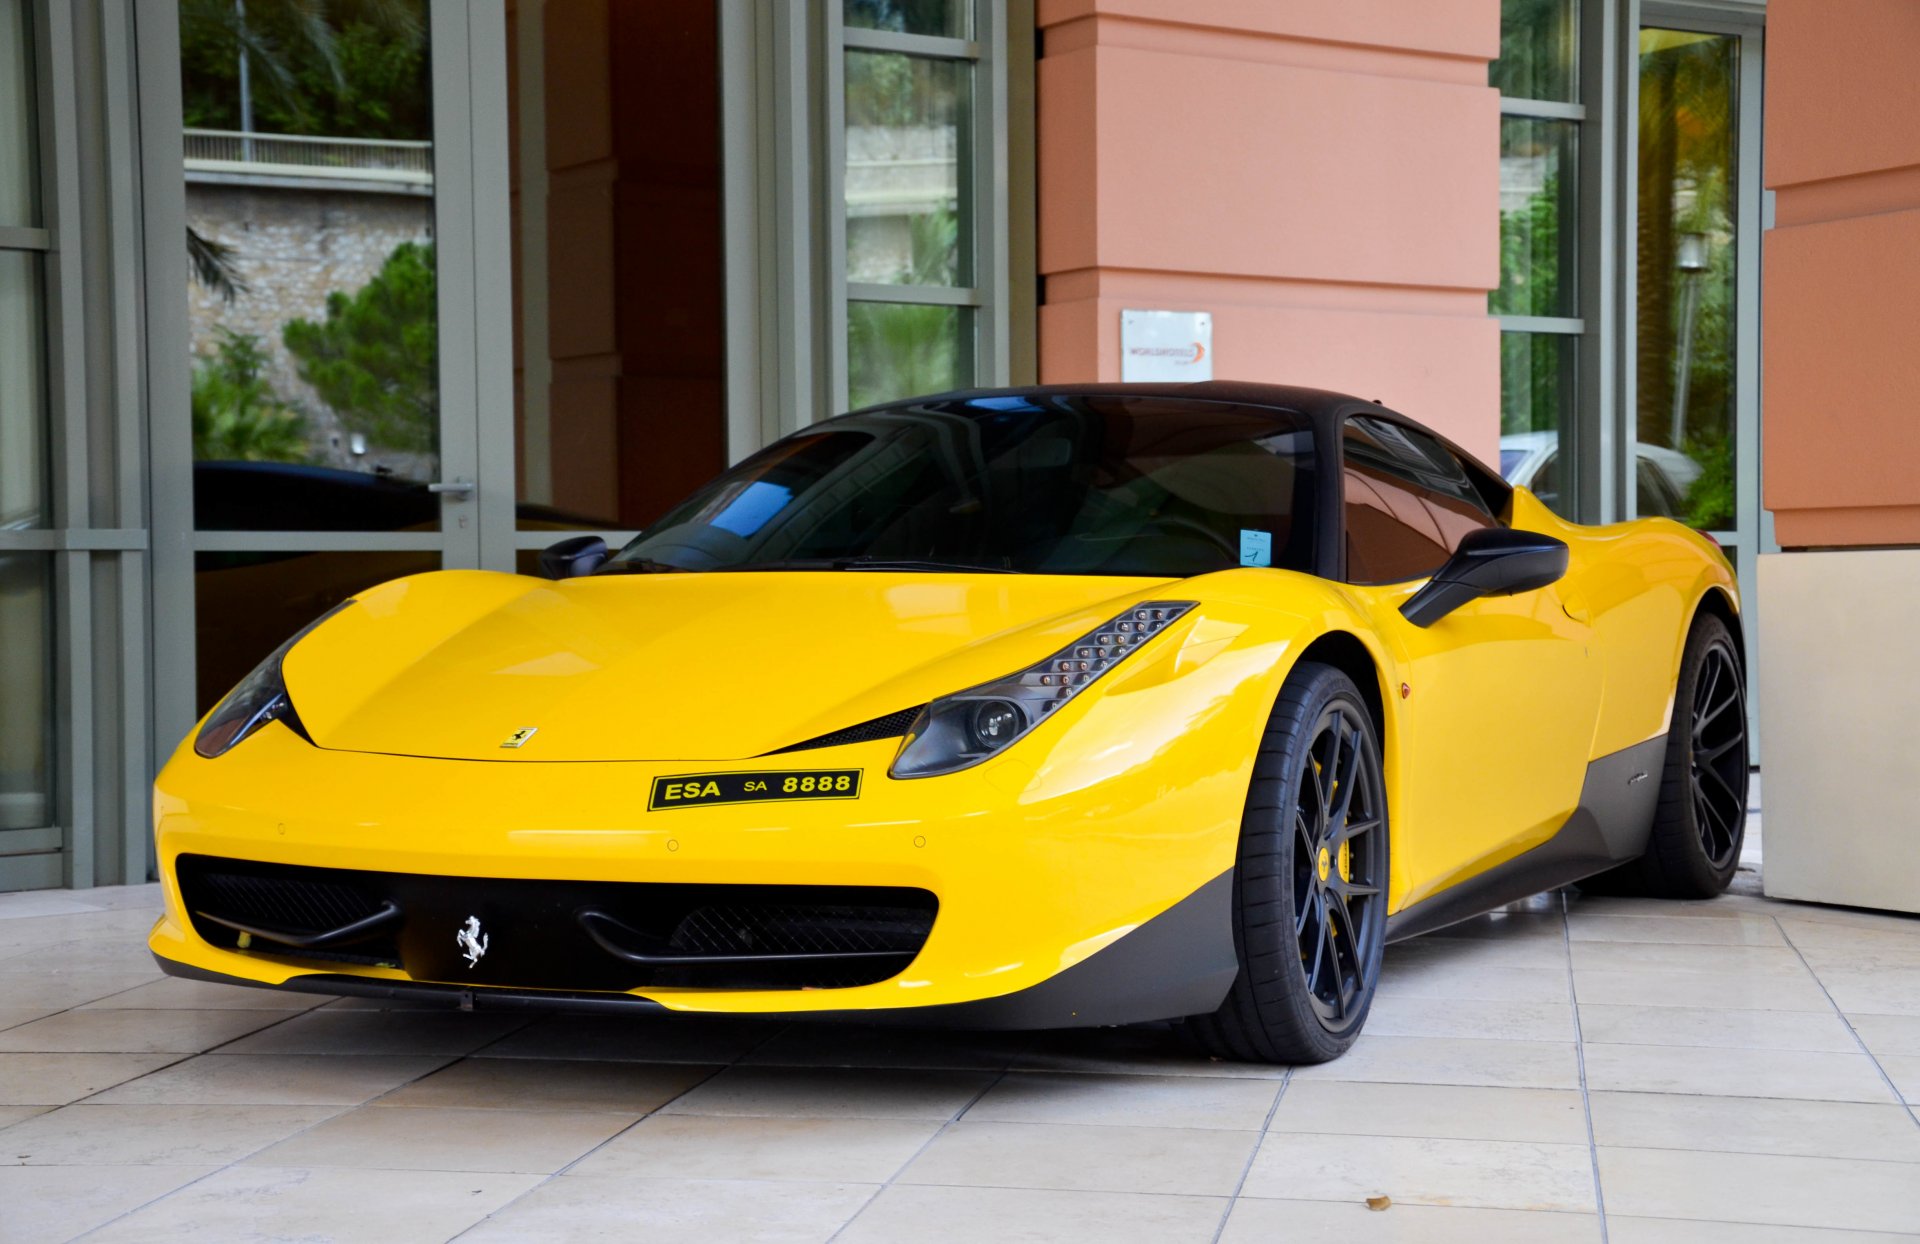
247, 604
897, 349
309, 168
1536, 403
19, 124
1685, 386
1538, 50
907, 141
26, 711
23, 416
951, 18
1538, 229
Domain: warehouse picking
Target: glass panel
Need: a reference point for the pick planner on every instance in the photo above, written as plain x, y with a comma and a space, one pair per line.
1539, 50
19, 122
309, 168
1537, 399
912, 17
1408, 500
619, 267
26, 707
23, 420
897, 350
248, 603
1685, 387
1538, 231
908, 140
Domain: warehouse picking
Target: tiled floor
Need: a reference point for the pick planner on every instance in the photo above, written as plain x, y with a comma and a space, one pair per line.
1575, 1069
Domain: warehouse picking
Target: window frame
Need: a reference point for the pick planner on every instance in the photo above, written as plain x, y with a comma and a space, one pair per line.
1334, 514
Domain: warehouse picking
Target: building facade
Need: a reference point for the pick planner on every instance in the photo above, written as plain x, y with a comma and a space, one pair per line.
286, 312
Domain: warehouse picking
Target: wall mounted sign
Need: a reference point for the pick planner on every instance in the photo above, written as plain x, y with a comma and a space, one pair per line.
1165, 346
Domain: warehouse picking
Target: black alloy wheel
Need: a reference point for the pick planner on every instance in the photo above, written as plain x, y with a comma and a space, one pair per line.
1718, 756
1310, 881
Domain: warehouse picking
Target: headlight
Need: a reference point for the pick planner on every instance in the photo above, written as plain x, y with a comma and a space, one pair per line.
957, 731
260, 697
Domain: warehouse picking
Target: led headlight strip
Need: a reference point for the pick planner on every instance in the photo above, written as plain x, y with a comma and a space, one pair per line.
961, 730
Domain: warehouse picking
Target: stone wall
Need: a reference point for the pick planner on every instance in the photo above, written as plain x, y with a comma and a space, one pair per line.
293, 247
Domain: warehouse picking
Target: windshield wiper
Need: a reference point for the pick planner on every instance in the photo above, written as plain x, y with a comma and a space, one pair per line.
865, 562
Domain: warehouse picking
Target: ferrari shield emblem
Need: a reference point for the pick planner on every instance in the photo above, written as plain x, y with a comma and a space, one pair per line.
519, 737
472, 942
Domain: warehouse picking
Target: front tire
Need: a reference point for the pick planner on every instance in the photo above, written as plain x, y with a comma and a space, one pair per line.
1310, 882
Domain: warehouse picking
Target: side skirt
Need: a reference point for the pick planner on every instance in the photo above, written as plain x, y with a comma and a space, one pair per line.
1610, 827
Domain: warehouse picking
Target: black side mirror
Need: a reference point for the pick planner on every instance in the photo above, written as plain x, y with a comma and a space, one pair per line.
1491, 561
569, 559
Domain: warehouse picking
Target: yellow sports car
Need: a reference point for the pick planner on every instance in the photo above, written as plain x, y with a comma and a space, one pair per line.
1051, 707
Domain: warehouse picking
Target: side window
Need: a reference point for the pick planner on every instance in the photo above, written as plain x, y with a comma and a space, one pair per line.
1409, 501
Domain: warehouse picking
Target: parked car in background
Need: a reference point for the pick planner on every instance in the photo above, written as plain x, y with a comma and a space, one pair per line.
1531, 460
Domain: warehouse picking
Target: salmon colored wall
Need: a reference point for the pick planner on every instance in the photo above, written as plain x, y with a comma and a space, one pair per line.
1323, 177
1841, 289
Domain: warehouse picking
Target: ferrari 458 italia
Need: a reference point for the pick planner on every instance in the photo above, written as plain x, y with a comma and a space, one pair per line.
1047, 707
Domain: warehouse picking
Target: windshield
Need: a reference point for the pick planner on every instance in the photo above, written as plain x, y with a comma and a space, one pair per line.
1048, 485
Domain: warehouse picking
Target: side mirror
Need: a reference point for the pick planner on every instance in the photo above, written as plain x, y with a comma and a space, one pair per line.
569, 559
1491, 561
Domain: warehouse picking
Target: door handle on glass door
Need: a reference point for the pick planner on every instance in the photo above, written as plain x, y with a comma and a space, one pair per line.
457, 489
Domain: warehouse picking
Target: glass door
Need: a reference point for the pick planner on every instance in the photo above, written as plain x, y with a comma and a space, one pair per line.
310, 228
1696, 424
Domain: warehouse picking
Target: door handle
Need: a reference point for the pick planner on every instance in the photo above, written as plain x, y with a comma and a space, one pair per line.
457, 489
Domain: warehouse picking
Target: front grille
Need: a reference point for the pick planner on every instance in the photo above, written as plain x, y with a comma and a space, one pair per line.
892, 726
563, 934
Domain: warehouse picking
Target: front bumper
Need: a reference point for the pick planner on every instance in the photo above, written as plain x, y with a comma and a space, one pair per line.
1069, 893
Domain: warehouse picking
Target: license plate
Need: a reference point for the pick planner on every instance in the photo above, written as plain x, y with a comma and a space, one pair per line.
695, 790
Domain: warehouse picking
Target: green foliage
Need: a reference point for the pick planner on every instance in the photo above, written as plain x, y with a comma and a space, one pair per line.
236, 414
1530, 255
1710, 498
899, 350
344, 68
374, 358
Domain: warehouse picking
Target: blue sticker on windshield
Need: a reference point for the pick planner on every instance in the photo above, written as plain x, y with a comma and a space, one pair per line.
1256, 548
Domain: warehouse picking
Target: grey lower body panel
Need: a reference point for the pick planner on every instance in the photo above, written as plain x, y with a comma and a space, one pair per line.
1179, 963
1609, 828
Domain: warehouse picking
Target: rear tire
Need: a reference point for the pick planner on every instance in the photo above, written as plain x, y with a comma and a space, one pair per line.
1310, 882
1701, 821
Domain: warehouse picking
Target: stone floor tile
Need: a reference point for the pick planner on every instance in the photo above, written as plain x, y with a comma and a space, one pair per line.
1760, 962
57, 993
56, 1079
431, 1138
174, 993
10, 1115
1146, 1050
1267, 1222
646, 1038
1443, 1111
271, 1079
1453, 1060
52, 1204
834, 1092
13, 1017
135, 1032
557, 1084
1114, 1158
1726, 907
248, 1203
381, 1032
1622, 1229
1879, 991
1755, 1188
1143, 1101
690, 1146
944, 1215
1544, 922
1488, 982
1739, 991
1800, 1074
1867, 1131
1398, 1015
98, 1134
1439, 950
847, 1045
25, 904
1737, 930
1490, 1174
1904, 1071
602, 1209
1888, 1035
93, 954
1612, 1024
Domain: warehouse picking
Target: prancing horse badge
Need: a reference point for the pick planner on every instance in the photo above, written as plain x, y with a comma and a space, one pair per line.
519, 737
471, 940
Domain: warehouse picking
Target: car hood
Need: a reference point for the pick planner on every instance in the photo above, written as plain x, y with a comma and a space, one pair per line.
667, 666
